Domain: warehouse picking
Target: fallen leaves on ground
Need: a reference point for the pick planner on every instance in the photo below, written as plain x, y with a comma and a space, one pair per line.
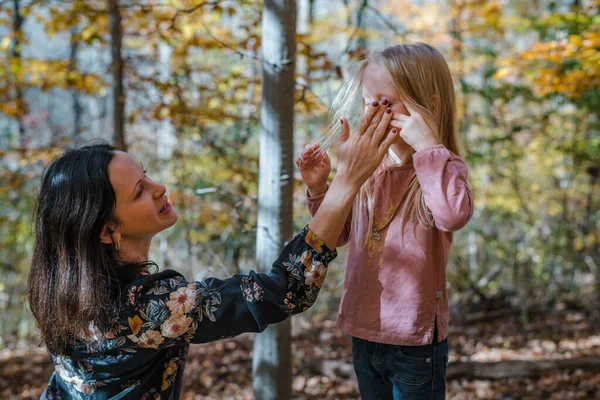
322, 364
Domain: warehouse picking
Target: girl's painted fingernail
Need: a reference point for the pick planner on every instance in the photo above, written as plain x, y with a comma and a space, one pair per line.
375, 103
385, 102
388, 111
341, 122
394, 131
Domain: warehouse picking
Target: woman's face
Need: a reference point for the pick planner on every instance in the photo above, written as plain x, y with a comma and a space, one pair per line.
142, 207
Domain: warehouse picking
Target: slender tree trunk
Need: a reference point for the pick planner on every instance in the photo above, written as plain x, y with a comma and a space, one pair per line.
247, 110
16, 54
593, 258
77, 109
116, 34
459, 53
272, 368
361, 42
302, 131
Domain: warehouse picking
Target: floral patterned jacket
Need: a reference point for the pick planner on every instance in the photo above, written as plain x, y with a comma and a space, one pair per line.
143, 357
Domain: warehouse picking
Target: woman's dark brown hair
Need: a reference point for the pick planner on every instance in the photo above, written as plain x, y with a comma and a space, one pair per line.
73, 280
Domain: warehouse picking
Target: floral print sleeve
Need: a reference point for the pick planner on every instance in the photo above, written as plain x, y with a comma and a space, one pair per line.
144, 355
168, 308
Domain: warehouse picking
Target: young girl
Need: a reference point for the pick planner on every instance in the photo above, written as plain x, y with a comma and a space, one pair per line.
116, 331
394, 302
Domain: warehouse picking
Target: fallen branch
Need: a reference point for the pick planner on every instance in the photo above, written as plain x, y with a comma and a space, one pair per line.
518, 368
486, 316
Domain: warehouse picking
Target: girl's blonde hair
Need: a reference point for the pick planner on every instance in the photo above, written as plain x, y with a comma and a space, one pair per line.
422, 79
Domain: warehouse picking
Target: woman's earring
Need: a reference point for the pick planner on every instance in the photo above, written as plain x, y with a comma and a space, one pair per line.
117, 244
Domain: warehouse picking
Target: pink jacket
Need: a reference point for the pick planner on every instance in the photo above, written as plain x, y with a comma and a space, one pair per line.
395, 289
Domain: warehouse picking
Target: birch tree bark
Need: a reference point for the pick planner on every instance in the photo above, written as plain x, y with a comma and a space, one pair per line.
272, 370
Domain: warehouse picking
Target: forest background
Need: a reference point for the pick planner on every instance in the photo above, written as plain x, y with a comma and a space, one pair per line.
178, 84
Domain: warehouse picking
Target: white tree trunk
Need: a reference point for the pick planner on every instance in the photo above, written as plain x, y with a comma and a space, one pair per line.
272, 370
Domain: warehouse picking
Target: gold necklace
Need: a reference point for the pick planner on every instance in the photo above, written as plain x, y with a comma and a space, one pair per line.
375, 235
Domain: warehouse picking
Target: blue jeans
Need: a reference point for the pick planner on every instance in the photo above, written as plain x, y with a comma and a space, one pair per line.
386, 371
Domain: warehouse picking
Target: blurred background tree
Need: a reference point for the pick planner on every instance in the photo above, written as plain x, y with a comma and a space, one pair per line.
185, 75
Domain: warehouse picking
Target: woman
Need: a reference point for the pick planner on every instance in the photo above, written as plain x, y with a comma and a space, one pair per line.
116, 331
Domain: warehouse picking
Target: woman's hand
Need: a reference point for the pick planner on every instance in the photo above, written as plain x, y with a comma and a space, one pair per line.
314, 168
360, 153
413, 129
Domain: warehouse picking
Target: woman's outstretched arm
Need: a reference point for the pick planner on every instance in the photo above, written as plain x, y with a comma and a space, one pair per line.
164, 309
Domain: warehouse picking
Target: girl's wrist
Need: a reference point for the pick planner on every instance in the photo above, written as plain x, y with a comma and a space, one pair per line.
425, 144
315, 191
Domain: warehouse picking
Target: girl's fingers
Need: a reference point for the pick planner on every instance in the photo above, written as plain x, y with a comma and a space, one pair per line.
400, 117
316, 155
308, 149
365, 121
307, 154
313, 161
397, 124
383, 125
410, 108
